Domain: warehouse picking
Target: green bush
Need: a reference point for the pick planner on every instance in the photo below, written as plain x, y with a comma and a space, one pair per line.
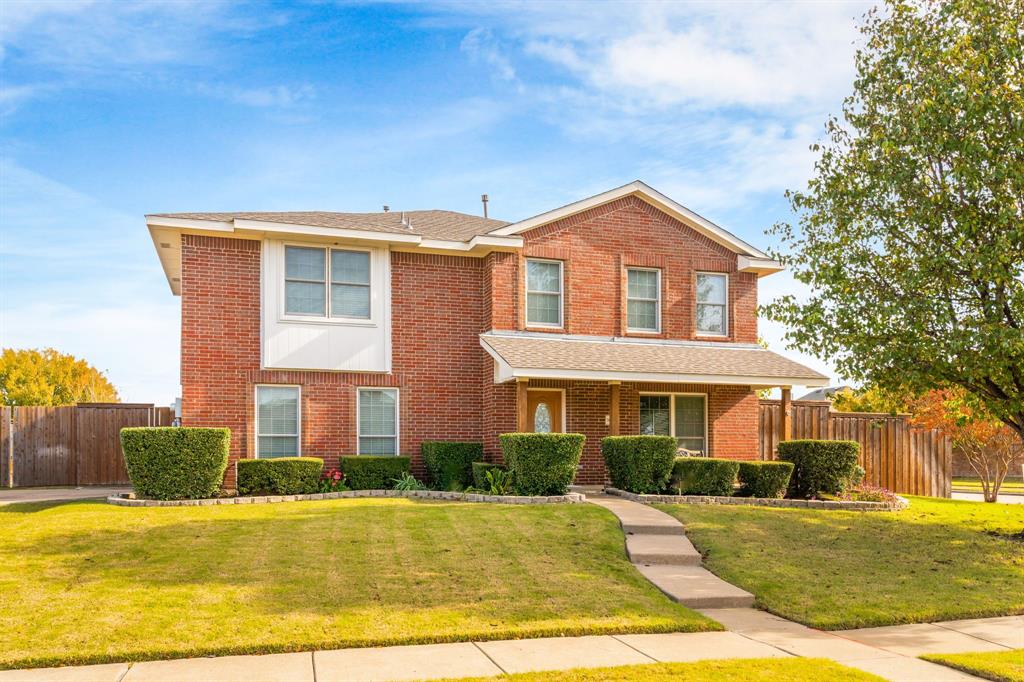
175, 463
449, 464
704, 476
373, 472
279, 476
820, 466
542, 463
480, 470
764, 479
639, 464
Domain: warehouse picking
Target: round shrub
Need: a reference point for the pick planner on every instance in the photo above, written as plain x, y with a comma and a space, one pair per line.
175, 463
480, 470
542, 463
373, 472
820, 466
279, 476
704, 476
764, 479
449, 464
639, 464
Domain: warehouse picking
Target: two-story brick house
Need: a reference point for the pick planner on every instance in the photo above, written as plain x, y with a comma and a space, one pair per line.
328, 334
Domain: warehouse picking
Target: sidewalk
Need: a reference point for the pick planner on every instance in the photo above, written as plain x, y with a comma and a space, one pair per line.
59, 493
889, 652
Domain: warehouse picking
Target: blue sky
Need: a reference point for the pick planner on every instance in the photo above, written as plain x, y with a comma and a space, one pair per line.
109, 111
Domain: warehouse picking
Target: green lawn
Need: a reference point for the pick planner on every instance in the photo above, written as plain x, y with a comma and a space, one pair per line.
89, 582
1001, 666
973, 485
937, 560
748, 670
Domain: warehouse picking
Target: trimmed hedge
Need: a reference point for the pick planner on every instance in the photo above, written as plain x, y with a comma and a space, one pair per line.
373, 472
480, 470
704, 476
449, 464
639, 464
542, 463
175, 463
280, 476
764, 479
821, 466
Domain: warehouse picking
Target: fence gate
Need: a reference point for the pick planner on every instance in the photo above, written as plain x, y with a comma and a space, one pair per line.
70, 445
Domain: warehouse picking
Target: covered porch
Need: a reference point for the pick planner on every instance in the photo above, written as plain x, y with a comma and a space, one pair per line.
703, 394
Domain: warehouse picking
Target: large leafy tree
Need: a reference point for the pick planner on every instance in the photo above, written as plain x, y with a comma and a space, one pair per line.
911, 232
46, 377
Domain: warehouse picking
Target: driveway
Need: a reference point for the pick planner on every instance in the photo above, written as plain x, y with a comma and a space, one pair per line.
978, 497
59, 494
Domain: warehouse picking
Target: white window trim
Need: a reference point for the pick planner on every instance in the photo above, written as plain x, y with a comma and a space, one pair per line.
327, 318
298, 417
398, 420
561, 294
725, 313
565, 414
672, 415
657, 301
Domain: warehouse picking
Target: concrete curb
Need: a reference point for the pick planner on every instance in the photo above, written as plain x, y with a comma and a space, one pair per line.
835, 505
568, 498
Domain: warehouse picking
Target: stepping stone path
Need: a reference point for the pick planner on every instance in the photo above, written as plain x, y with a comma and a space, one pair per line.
657, 545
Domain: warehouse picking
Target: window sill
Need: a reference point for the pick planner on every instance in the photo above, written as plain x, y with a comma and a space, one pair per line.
720, 337
333, 321
643, 332
544, 328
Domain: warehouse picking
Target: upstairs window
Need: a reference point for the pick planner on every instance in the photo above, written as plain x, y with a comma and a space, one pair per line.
312, 290
277, 421
712, 304
643, 304
544, 293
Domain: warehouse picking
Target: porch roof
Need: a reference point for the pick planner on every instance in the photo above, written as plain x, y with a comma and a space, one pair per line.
537, 356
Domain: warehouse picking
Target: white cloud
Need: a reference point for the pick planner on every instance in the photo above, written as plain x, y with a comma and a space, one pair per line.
481, 45
277, 96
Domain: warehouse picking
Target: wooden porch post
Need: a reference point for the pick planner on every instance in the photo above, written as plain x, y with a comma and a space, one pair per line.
785, 416
613, 408
522, 422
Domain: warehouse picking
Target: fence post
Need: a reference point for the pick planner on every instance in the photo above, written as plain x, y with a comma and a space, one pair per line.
10, 448
785, 416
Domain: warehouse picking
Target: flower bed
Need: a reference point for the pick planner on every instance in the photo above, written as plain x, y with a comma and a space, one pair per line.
568, 498
843, 505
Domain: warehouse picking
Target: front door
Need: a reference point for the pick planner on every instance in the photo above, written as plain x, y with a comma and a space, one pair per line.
544, 411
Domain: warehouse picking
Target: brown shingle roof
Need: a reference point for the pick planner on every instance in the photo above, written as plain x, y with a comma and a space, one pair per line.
433, 224
601, 358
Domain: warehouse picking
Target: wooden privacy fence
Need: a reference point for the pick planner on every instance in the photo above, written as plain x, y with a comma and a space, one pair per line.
71, 445
895, 454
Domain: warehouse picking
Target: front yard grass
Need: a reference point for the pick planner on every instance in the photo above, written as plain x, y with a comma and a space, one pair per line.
748, 670
937, 560
1001, 666
89, 582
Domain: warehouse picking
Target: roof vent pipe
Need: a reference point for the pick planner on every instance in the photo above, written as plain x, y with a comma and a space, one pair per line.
386, 208
484, 199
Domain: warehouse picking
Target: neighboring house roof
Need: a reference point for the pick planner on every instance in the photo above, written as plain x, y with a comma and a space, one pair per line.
824, 393
436, 224
530, 355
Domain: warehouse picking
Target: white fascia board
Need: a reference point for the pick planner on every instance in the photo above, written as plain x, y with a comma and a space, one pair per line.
267, 226
502, 370
491, 240
760, 266
659, 377
652, 196
189, 224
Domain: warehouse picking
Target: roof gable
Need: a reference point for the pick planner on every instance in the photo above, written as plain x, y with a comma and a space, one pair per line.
653, 197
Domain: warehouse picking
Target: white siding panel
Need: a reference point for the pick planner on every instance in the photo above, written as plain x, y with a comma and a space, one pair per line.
318, 344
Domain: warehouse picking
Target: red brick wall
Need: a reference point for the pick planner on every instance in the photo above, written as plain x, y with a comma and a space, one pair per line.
436, 307
597, 246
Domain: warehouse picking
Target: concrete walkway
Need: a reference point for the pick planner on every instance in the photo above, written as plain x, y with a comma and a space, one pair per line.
657, 546
59, 493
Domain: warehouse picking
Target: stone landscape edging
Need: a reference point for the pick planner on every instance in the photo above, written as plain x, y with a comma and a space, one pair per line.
568, 498
835, 505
